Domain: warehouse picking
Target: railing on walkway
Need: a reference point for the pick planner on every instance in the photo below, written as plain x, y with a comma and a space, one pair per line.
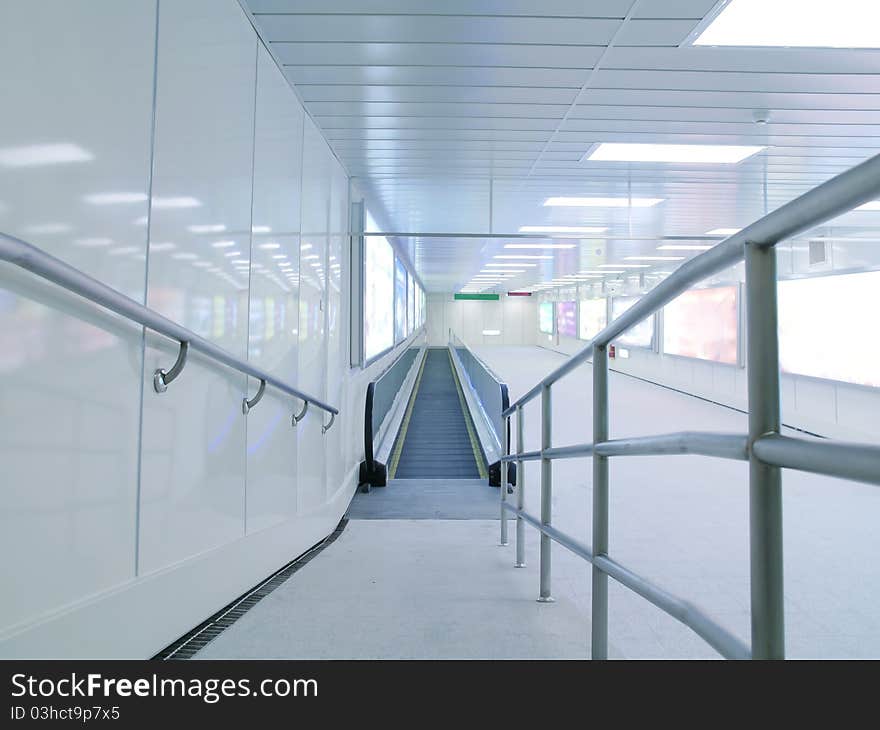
32, 259
764, 448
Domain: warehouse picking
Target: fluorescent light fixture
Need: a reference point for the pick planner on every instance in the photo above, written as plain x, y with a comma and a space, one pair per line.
141, 221
725, 154
207, 228
507, 266
723, 231
795, 23
269, 246
685, 247
624, 266
36, 155
540, 246
261, 229
184, 256
506, 271
563, 202
93, 242
870, 205
46, 229
171, 203
524, 257
562, 229
614, 271
232, 253
223, 244
491, 333
123, 250
653, 258
115, 198
305, 247
154, 247
280, 256
311, 257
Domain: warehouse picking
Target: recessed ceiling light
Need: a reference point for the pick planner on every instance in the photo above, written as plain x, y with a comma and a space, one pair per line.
870, 205
506, 271
232, 253
183, 256
653, 258
175, 202
43, 154
223, 244
311, 257
564, 202
123, 250
684, 153
524, 257
92, 242
562, 229
723, 231
685, 247
541, 246
269, 246
154, 247
795, 23
305, 247
115, 198
280, 257
261, 229
624, 266
207, 228
506, 266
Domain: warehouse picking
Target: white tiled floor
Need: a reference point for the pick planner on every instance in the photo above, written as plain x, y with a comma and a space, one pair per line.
397, 588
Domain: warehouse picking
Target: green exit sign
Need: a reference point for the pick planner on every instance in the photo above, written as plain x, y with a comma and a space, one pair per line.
480, 297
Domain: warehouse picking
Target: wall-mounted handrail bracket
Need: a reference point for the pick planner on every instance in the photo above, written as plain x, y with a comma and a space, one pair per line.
297, 417
161, 378
247, 405
326, 428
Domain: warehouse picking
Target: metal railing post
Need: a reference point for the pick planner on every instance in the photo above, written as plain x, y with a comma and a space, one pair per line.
765, 481
599, 638
520, 494
505, 447
546, 492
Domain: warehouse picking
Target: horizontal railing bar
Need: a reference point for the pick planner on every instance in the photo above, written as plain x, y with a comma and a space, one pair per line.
859, 462
697, 443
828, 200
32, 259
716, 636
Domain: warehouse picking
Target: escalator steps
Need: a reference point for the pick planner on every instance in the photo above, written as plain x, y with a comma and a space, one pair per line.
436, 443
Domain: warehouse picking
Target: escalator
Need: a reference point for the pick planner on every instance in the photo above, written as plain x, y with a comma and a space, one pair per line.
437, 440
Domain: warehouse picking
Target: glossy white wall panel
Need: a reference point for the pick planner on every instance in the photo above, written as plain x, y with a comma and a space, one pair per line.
194, 439
193, 461
69, 392
312, 303
337, 321
203, 164
274, 297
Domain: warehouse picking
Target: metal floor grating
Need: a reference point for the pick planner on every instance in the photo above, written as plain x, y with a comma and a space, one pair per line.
189, 644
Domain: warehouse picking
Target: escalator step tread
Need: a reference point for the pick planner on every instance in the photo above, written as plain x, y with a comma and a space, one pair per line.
436, 442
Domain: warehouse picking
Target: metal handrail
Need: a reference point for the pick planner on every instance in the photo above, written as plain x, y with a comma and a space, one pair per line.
766, 450
30, 258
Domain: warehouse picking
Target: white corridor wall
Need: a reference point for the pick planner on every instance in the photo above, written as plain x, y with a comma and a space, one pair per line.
513, 317
157, 147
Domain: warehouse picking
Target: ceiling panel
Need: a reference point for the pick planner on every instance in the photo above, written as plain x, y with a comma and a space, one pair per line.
465, 116
445, 29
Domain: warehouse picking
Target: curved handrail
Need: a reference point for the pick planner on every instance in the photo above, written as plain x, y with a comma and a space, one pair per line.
828, 200
30, 258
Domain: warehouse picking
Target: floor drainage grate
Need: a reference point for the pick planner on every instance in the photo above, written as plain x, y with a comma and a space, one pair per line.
187, 645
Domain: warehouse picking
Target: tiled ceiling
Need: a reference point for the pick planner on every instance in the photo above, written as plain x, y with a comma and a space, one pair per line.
464, 115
